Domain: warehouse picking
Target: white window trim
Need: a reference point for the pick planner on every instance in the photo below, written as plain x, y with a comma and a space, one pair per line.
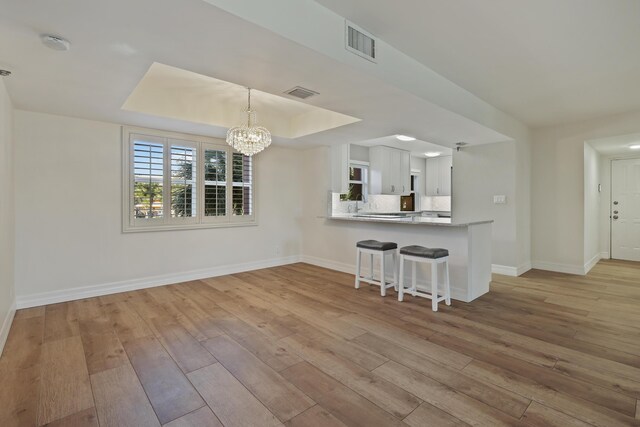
365, 182
129, 225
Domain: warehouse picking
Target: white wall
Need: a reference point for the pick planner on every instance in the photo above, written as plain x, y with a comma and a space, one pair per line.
7, 238
479, 173
359, 153
68, 216
558, 203
592, 202
68, 210
523, 201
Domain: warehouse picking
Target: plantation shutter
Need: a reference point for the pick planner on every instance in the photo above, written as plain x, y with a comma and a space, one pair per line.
242, 185
215, 182
148, 177
183, 166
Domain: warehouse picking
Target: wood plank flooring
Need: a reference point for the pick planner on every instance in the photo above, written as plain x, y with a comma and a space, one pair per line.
298, 346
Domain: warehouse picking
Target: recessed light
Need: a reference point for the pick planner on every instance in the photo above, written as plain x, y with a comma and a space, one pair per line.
55, 42
405, 138
635, 147
432, 154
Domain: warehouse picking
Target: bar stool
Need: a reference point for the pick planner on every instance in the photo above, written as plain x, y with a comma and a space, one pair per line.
433, 256
374, 247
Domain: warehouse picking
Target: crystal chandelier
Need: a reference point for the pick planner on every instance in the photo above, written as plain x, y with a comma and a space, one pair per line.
249, 139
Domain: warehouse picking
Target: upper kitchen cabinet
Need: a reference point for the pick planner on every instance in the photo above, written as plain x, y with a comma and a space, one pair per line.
389, 170
340, 157
438, 176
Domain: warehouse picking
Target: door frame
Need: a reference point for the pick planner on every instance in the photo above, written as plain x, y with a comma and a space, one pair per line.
610, 160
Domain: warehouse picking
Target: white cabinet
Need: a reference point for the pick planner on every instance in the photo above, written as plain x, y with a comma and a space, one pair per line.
340, 168
438, 177
389, 171
446, 163
405, 171
432, 176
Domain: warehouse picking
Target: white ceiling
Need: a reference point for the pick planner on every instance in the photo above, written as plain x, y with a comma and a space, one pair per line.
616, 145
542, 61
114, 43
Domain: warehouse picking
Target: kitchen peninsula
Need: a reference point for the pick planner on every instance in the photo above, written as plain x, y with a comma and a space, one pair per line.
469, 245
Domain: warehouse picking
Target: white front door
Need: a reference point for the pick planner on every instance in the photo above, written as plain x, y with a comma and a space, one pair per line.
625, 209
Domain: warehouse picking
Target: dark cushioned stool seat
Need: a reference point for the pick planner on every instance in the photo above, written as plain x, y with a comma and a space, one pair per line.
376, 245
421, 251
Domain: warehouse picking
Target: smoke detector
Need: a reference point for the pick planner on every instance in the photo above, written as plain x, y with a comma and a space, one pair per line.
55, 42
5, 73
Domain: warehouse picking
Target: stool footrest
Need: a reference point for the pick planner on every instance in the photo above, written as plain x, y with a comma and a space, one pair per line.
388, 284
423, 294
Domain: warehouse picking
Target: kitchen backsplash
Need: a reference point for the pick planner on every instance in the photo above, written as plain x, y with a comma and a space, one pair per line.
437, 203
388, 203
374, 203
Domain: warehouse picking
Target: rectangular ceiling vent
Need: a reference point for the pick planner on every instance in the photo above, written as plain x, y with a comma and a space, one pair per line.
300, 92
360, 42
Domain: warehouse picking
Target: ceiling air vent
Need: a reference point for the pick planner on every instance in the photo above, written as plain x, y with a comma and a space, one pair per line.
360, 42
300, 92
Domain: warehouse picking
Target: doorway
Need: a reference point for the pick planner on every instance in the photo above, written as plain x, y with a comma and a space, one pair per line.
625, 209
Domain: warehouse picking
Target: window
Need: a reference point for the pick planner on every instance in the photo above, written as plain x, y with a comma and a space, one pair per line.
177, 181
358, 179
415, 182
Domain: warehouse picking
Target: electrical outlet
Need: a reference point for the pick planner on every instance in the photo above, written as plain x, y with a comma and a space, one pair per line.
278, 250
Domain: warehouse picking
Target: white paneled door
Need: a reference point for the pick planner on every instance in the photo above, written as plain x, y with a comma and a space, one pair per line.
625, 209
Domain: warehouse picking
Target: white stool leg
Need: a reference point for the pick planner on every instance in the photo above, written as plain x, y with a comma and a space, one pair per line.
371, 265
395, 269
358, 262
447, 288
383, 288
434, 286
401, 280
413, 278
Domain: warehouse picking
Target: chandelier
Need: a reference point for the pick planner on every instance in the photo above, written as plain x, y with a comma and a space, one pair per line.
249, 139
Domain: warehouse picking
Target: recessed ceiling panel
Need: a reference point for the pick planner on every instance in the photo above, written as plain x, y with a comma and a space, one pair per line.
417, 147
175, 93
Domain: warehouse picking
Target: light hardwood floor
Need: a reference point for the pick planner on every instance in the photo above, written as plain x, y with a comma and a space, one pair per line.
298, 345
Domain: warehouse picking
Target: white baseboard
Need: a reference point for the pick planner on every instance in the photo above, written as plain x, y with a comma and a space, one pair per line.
508, 270
6, 325
571, 269
504, 269
331, 265
559, 268
34, 300
592, 262
523, 268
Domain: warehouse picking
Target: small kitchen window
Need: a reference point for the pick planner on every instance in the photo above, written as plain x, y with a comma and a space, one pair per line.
358, 183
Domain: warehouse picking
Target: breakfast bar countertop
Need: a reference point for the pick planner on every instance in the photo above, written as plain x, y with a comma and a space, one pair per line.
413, 220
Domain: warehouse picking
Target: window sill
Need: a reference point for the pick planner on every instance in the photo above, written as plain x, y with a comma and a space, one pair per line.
175, 227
